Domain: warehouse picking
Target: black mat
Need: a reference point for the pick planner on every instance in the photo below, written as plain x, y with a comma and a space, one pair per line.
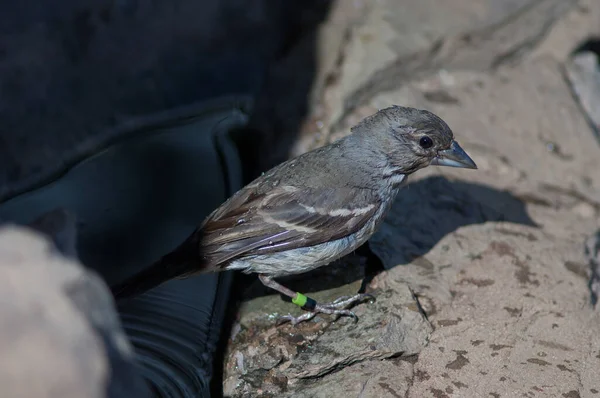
136, 199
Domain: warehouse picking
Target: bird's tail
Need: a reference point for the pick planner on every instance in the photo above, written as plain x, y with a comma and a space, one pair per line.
184, 261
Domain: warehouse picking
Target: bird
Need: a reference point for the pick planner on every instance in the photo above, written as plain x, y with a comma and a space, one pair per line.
312, 209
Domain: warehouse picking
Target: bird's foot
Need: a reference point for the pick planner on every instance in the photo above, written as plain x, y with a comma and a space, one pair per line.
336, 307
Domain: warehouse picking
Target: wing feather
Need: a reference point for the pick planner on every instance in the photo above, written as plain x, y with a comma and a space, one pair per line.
284, 218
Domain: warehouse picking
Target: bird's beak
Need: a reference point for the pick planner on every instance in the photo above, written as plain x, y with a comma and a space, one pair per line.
455, 156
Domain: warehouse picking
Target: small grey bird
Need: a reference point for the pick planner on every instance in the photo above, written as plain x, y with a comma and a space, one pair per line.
313, 209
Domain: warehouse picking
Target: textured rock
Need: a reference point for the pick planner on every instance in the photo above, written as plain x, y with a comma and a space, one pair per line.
583, 72
517, 319
366, 379
393, 45
495, 257
286, 358
60, 335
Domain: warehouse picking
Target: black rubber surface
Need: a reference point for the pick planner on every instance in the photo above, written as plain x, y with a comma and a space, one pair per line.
135, 200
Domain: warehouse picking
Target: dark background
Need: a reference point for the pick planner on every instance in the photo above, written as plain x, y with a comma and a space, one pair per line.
71, 69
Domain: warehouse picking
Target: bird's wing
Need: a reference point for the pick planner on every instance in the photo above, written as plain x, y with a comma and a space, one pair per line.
284, 218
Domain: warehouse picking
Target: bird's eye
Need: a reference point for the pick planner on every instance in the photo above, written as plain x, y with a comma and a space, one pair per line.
426, 142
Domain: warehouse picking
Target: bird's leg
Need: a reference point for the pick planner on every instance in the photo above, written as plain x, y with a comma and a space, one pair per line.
336, 307
373, 265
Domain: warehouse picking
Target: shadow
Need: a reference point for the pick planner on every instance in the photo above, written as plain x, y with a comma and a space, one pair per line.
582, 81
592, 44
135, 201
283, 103
281, 107
424, 212
592, 253
92, 64
146, 173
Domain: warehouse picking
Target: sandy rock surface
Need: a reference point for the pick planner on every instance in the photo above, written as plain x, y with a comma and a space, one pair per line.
494, 259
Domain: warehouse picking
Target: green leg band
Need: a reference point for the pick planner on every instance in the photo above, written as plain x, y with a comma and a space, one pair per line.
306, 303
300, 299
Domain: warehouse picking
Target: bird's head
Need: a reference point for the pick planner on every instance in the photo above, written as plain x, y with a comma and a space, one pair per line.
411, 139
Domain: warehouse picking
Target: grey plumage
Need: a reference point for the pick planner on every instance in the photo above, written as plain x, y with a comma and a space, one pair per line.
318, 207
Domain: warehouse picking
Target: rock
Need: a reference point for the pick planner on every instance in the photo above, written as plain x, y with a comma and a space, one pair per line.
509, 132
266, 357
60, 335
517, 317
495, 257
366, 379
389, 48
583, 72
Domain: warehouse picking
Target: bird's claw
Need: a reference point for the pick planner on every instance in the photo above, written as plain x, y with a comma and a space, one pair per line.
337, 307
294, 320
353, 299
